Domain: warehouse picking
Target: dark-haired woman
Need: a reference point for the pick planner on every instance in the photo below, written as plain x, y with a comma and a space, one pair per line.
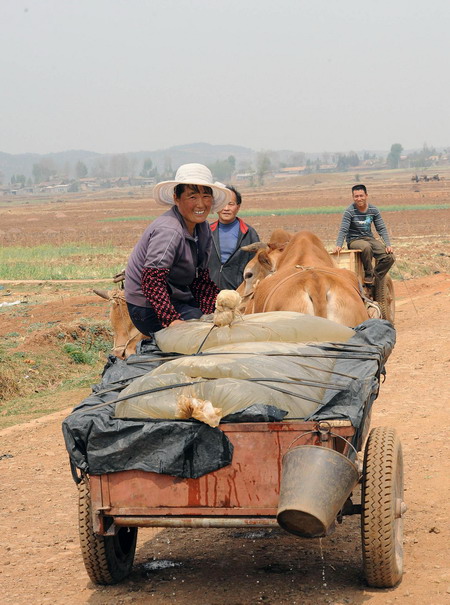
167, 278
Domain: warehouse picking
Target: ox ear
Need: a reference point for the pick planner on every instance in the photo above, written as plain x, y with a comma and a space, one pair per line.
277, 246
254, 247
264, 260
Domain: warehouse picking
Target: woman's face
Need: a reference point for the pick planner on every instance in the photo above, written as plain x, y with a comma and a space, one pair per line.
194, 206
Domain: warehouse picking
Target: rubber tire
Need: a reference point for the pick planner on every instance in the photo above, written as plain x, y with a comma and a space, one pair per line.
108, 559
381, 523
384, 295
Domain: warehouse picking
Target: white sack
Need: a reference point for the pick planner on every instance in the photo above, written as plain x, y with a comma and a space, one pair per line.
226, 387
278, 326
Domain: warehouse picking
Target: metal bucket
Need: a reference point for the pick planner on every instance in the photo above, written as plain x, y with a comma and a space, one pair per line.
315, 483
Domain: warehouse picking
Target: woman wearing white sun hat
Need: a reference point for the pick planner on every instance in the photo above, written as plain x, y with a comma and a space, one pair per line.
167, 278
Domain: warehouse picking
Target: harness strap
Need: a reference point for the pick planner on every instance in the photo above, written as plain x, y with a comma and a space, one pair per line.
303, 268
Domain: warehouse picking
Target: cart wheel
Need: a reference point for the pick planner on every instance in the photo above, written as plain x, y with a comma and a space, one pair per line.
385, 296
382, 509
108, 559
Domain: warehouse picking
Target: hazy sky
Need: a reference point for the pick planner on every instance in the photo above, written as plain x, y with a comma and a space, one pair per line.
130, 75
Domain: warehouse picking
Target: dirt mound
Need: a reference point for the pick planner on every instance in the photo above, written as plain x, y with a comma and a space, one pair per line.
67, 332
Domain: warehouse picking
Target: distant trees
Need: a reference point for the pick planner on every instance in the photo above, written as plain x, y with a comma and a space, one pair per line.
18, 179
37, 173
119, 165
133, 165
146, 168
73, 188
393, 158
168, 172
263, 165
44, 170
81, 170
223, 169
99, 169
245, 166
346, 161
148, 171
297, 159
421, 159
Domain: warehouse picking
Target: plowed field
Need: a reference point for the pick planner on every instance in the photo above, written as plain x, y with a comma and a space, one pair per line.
40, 558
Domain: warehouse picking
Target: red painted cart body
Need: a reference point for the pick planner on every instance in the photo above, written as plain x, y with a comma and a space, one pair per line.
244, 493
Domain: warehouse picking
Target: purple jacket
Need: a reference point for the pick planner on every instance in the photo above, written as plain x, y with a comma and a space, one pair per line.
167, 244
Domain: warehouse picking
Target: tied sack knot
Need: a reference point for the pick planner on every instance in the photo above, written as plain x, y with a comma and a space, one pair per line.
227, 304
200, 409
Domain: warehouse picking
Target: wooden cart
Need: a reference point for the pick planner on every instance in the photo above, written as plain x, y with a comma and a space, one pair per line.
381, 292
245, 493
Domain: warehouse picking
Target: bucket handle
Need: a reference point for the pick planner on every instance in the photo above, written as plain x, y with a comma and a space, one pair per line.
299, 437
330, 433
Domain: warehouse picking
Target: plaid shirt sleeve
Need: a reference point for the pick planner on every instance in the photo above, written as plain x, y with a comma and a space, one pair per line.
204, 291
154, 288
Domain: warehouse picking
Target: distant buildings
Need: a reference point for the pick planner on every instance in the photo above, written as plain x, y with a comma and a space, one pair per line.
59, 186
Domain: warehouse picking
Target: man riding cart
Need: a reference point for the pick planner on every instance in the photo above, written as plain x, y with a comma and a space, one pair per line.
377, 256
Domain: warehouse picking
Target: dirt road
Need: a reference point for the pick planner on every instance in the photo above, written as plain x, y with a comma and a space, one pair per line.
40, 558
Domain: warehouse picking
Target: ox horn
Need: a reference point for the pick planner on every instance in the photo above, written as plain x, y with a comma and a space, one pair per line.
254, 247
102, 293
119, 277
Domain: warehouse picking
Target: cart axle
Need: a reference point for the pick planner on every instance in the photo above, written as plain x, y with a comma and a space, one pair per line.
195, 522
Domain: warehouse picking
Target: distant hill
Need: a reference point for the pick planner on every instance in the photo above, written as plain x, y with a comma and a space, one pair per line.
203, 153
165, 160
64, 162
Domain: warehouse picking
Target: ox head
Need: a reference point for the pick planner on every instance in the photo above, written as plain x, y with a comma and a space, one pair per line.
126, 335
259, 267
264, 262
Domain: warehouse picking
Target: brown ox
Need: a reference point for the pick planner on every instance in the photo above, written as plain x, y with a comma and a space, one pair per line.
306, 279
126, 335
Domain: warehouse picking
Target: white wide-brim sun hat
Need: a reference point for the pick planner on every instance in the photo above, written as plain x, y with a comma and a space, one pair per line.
192, 174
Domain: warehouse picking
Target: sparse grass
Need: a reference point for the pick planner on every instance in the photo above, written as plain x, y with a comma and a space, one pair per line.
27, 378
36, 326
68, 261
119, 219
406, 270
87, 349
419, 256
48, 252
292, 211
47, 401
419, 267
336, 209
